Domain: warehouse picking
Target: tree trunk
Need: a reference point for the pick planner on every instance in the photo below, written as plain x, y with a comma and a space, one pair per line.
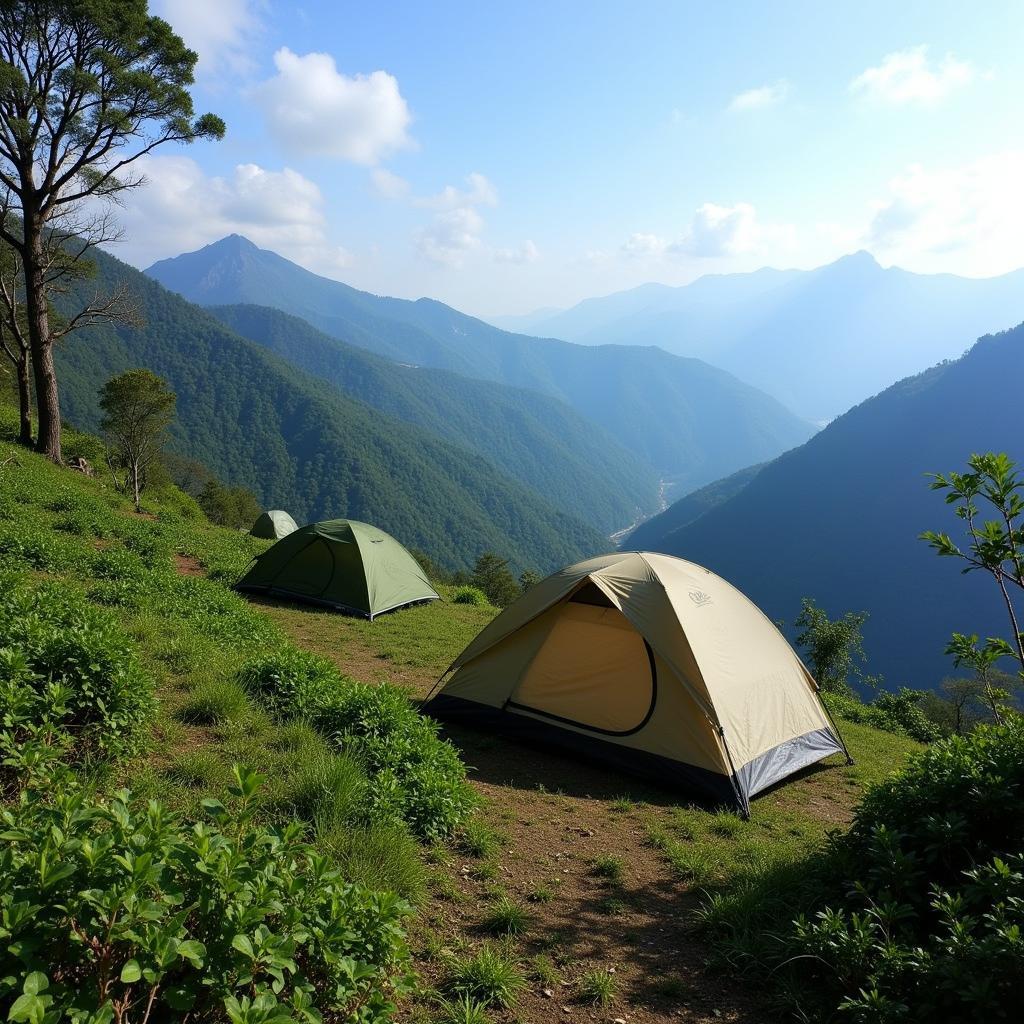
135, 484
47, 398
24, 401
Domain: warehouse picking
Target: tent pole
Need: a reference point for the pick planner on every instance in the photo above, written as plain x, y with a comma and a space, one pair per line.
835, 729
741, 799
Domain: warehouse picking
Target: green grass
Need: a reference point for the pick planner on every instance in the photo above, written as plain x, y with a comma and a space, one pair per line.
214, 702
478, 839
489, 975
597, 986
543, 971
609, 868
506, 917
461, 1010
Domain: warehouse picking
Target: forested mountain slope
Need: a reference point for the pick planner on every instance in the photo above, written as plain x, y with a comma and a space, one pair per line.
300, 445
693, 422
838, 519
532, 437
818, 340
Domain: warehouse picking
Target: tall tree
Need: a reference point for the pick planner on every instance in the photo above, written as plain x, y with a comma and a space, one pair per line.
138, 407
87, 88
14, 337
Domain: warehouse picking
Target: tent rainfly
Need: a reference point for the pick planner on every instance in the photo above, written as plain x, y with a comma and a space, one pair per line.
273, 525
651, 664
342, 564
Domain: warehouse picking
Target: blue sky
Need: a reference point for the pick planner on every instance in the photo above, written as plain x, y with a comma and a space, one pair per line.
503, 157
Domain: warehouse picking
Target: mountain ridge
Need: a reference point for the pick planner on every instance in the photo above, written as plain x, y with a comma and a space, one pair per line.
689, 420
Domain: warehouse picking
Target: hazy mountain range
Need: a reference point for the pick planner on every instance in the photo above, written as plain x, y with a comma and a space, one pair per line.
819, 340
690, 421
838, 519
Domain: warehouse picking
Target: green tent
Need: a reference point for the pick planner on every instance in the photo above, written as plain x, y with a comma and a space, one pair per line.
343, 564
273, 525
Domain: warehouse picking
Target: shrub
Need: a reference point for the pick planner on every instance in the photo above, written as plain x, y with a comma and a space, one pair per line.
415, 778
106, 905
469, 595
918, 910
68, 668
490, 976
897, 713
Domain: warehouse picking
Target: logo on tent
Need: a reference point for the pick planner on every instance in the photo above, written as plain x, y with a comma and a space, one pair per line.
699, 598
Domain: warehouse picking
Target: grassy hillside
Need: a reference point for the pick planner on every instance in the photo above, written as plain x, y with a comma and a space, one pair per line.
567, 869
693, 422
299, 444
838, 519
538, 440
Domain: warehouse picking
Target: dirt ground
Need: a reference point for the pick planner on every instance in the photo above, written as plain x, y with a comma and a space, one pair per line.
556, 815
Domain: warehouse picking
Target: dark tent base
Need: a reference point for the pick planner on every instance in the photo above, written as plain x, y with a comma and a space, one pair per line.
699, 784
357, 613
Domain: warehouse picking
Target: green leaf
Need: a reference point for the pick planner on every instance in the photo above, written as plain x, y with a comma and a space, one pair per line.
131, 972
35, 983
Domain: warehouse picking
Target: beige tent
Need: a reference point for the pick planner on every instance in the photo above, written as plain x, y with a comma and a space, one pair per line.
652, 664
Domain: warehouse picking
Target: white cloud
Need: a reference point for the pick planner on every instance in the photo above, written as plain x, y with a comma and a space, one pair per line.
640, 244
758, 99
480, 193
715, 232
908, 76
389, 185
181, 209
220, 31
450, 236
722, 231
314, 109
455, 230
525, 253
966, 219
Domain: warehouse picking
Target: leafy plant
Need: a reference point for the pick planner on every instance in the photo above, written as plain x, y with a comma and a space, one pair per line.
120, 912
831, 647
608, 867
469, 595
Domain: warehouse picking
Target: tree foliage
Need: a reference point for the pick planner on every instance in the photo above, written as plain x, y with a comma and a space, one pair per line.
992, 485
492, 576
832, 648
138, 407
87, 88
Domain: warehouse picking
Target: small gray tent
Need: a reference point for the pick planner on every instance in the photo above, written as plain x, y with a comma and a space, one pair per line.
273, 525
342, 564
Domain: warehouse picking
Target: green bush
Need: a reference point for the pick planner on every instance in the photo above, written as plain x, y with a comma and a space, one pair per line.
469, 595
921, 908
68, 669
414, 777
105, 905
213, 702
897, 713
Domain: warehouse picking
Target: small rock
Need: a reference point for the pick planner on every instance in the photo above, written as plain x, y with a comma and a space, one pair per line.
565, 1009
611, 970
549, 992
618, 1020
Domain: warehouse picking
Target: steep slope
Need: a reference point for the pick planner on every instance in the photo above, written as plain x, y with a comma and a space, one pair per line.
838, 518
692, 422
818, 340
301, 445
692, 506
535, 439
